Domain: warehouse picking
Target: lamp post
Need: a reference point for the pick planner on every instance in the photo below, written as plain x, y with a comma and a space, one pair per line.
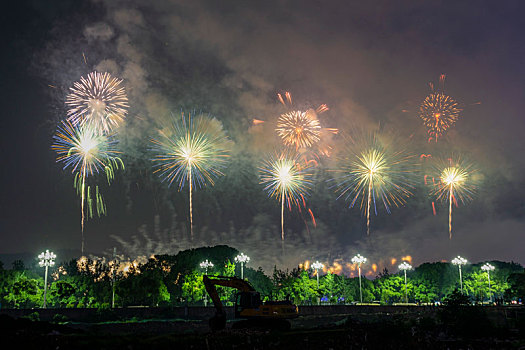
358, 259
459, 261
404, 267
46, 259
114, 267
487, 268
204, 265
316, 266
243, 259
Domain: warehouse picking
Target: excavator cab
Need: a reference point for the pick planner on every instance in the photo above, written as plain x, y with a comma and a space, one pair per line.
246, 301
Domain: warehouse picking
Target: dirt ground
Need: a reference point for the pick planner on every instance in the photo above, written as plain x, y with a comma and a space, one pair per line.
307, 332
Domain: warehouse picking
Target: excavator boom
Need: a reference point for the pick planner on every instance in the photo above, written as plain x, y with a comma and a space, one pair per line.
248, 304
211, 281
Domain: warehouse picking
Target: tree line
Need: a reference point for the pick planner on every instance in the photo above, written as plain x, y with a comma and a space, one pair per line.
176, 280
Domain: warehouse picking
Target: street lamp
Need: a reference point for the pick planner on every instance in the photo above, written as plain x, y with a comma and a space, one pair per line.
243, 259
316, 266
205, 265
487, 268
358, 259
114, 267
46, 259
404, 267
459, 261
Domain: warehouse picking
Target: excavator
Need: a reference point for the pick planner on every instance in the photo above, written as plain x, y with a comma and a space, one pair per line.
248, 306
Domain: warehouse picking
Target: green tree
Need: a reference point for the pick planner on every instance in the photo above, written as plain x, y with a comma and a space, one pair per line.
332, 287
225, 293
516, 288
304, 289
164, 297
367, 287
63, 293
261, 282
192, 288
282, 284
141, 288
425, 294
349, 289
391, 289
24, 291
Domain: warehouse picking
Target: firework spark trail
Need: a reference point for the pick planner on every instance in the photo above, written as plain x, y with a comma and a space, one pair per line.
438, 111
285, 179
371, 170
455, 182
87, 153
450, 198
193, 150
99, 100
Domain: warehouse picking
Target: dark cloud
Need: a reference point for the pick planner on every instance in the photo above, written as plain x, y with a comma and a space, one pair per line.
99, 31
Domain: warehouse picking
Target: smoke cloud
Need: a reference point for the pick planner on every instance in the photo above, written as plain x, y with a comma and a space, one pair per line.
231, 60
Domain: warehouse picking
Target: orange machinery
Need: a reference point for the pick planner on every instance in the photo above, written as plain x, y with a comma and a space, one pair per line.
248, 306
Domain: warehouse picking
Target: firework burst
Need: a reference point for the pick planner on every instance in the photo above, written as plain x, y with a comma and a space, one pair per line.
456, 184
192, 150
438, 112
86, 153
297, 128
285, 179
301, 129
99, 100
371, 170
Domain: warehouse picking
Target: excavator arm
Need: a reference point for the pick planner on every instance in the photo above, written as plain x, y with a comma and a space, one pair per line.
248, 305
219, 320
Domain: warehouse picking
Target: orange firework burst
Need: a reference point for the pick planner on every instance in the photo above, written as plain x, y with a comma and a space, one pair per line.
301, 129
297, 128
439, 112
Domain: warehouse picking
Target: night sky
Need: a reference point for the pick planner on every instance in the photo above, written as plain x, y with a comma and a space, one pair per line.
370, 63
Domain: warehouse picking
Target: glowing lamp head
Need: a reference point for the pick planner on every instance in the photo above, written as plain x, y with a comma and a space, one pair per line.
487, 267
205, 264
242, 258
459, 261
358, 259
317, 265
404, 266
46, 258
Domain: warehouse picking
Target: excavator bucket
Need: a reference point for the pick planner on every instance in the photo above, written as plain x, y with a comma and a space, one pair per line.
217, 322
